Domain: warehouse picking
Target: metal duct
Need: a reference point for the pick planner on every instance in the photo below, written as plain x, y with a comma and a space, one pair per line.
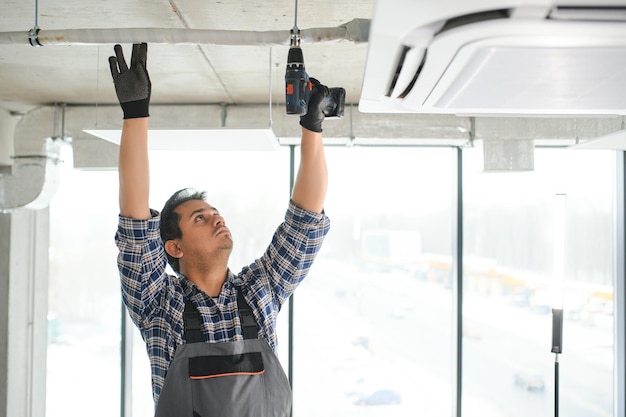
357, 30
34, 177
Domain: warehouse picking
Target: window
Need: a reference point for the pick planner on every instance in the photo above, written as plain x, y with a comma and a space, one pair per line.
250, 189
373, 321
83, 364
372, 331
508, 367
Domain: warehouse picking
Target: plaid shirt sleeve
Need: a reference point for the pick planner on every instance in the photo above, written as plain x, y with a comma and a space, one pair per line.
293, 248
141, 263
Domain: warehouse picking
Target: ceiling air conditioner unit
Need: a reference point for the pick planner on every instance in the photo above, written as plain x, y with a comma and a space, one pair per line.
495, 57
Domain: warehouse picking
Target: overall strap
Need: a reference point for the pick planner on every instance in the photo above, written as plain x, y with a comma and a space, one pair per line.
248, 323
193, 322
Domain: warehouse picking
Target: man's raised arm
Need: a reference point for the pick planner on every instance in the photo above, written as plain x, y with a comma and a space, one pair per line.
133, 89
311, 183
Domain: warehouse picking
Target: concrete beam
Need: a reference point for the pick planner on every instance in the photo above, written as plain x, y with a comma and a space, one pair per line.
7, 134
380, 128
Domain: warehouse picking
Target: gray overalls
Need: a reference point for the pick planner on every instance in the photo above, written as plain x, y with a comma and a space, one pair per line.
231, 379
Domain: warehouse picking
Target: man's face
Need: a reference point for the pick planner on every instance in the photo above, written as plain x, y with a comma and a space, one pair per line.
205, 235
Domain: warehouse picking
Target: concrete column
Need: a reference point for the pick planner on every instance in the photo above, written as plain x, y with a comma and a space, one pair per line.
24, 238
7, 132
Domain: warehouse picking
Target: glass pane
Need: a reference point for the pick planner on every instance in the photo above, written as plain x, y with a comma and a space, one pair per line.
251, 190
509, 242
84, 298
372, 332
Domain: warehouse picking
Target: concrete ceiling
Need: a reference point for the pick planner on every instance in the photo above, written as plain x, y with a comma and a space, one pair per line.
209, 75
180, 73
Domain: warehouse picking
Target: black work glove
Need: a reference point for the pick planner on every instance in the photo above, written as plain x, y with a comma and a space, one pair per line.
314, 116
132, 85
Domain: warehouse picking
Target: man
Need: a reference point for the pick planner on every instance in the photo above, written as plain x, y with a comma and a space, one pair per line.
210, 334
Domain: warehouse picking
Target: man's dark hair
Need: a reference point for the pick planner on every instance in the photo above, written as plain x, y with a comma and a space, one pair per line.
169, 218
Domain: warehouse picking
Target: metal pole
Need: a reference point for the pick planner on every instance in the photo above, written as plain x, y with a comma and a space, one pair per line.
619, 317
295, 16
557, 347
457, 290
291, 303
556, 385
36, 14
126, 363
557, 289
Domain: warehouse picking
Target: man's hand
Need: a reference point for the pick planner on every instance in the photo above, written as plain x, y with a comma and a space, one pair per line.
132, 85
314, 116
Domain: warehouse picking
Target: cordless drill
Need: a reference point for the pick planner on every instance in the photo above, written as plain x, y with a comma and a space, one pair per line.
298, 87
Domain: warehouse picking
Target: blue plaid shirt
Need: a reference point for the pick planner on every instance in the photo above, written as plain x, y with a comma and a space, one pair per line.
156, 300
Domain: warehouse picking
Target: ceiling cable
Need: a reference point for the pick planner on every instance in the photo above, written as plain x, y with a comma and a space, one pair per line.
295, 16
294, 41
36, 14
270, 84
33, 34
352, 137
472, 132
